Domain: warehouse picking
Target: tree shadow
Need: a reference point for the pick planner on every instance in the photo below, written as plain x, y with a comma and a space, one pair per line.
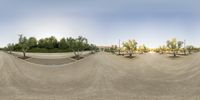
77, 57
24, 58
174, 57
183, 54
130, 57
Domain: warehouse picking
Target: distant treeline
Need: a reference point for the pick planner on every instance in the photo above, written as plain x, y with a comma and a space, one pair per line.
51, 44
172, 46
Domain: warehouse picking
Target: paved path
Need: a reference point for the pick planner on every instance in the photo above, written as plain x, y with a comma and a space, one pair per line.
102, 76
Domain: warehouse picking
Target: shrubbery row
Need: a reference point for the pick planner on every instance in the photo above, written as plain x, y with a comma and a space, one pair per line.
51, 45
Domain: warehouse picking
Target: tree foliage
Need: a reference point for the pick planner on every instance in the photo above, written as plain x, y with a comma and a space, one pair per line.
10, 47
142, 49
24, 44
51, 44
77, 45
174, 45
113, 48
130, 46
32, 41
190, 48
63, 44
162, 49
93, 48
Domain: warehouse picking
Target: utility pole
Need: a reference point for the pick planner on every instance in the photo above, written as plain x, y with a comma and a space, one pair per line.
119, 46
184, 47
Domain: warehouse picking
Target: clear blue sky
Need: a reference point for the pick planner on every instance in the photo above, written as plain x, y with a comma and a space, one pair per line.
103, 22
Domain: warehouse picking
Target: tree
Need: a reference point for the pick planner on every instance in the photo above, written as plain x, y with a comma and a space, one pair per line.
17, 47
63, 44
50, 42
174, 46
10, 47
32, 41
23, 42
184, 51
53, 43
113, 48
77, 45
190, 48
162, 49
41, 43
142, 49
130, 46
93, 48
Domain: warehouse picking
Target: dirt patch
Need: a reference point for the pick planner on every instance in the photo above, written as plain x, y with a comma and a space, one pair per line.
82, 56
130, 57
24, 58
77, 58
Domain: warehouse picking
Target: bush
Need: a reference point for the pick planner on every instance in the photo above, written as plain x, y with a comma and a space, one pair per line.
44, 50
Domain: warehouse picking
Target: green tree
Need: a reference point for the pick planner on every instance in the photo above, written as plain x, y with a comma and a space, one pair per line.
10, 47
174, 46
41, 43
113, 48
93, 48
130, 46
23, 42
63, 44
77, 45
32, 41
53, 43
49, 43
162, 49
142, 49
190, 48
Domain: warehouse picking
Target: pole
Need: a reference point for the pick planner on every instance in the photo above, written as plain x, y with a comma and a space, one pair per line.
184, 46
119, 47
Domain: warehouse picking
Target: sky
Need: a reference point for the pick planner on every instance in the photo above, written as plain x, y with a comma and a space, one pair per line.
103, 22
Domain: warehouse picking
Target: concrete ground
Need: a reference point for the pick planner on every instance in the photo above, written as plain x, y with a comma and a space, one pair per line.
102, 76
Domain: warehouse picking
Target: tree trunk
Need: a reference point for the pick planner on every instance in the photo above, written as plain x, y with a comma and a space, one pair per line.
130, 54
78, 54
74, 52
184, 52
174, 54
24, 53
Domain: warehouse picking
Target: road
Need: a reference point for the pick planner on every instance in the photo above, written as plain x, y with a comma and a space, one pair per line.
102, 76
